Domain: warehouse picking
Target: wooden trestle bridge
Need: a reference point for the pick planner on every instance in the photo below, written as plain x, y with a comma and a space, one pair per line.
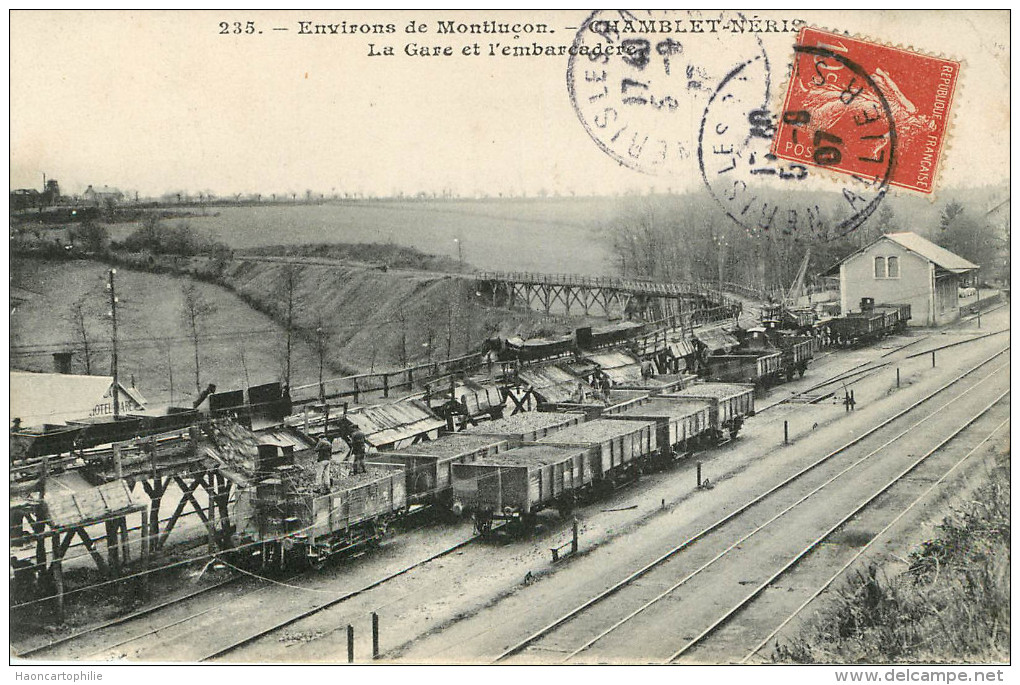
601, 295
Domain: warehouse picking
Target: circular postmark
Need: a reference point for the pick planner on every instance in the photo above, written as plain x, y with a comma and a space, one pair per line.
766, 194
639, 81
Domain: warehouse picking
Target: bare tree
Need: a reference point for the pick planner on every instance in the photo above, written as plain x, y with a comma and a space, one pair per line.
195, 309
79, 316
290, 274
320, 351
402, 318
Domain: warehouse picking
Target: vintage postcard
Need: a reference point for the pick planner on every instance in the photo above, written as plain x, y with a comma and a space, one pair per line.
510, 337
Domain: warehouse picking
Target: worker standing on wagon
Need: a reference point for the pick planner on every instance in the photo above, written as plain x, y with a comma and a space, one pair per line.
358, 449
324, 451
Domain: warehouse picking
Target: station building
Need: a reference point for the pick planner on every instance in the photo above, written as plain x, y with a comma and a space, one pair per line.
904, 268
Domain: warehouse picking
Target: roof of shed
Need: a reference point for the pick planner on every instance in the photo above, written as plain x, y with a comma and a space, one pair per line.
940, 256
54, 398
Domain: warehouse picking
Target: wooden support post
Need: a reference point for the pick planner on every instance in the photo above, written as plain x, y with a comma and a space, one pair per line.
699, 474
350, 644
57, 566
144, 553
786, 432
112, 553
356, 391
933, 359
375, 635
385, 385
117, 467
897, 376
155, 493
306, 419
125, 555
39, 529
573, 539
211, 517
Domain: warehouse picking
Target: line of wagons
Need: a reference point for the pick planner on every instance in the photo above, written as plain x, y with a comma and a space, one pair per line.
850, 329
506, 470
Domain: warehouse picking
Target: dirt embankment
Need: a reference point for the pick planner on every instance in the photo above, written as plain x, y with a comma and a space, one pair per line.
372, 319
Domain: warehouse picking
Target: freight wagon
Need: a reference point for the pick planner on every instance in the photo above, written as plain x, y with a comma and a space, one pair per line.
286, 522
513, 486
681, 424
870, 324
428, 467
731, 404
795, 350
760, 369
595, 407
620, 446
662, 383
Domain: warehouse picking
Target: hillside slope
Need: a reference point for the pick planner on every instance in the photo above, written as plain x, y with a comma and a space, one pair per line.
379, 320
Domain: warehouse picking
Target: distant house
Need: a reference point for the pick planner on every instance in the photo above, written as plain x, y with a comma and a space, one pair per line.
56, 398
904, 268
102, 197
26, 198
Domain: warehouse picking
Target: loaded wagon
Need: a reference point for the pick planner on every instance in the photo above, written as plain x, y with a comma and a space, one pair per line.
795, 350
856, 328
657, 385
621, 446
513, 486
428, 467
595, 406
287, 522
525, 427
731, 404
869, 324
681, 424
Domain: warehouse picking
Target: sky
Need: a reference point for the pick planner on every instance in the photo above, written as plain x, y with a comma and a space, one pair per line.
160, 102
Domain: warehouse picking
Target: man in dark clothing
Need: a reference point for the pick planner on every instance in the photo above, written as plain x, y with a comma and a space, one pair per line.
358, 449
324, 451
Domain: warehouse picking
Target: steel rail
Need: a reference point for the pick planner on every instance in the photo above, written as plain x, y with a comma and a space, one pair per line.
331, 603
817, 541
859, 371
523, 644
126, 618
763, 526
814, 595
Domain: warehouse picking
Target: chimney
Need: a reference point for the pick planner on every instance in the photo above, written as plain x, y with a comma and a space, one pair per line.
62, 362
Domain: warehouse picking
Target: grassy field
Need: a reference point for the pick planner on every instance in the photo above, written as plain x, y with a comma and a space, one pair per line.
552, 234
154, 338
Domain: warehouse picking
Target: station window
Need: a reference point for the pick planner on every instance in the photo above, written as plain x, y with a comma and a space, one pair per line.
894, 267
880, 267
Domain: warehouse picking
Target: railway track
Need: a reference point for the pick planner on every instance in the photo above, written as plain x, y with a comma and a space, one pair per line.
922, 497
867, 369
175, 614
612, 618
258, 634
699, 644
37, 651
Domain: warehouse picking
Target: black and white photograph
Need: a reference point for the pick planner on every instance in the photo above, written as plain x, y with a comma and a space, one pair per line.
425, 338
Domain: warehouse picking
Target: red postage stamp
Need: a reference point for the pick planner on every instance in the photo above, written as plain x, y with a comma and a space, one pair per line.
873, 111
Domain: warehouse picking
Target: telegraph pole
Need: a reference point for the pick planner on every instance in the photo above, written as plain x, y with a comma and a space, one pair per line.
113, 315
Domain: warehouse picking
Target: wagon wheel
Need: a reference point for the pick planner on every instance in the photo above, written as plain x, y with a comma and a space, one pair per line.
483, 525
